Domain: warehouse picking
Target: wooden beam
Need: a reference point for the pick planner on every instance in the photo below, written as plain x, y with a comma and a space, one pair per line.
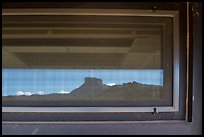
98, 12
91, 36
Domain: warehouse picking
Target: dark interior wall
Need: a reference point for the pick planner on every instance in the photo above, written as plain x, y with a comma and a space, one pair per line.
125, 127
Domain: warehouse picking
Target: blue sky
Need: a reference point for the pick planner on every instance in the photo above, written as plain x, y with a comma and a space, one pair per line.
45, 81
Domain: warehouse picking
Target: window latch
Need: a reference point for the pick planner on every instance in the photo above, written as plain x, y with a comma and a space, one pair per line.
154, 111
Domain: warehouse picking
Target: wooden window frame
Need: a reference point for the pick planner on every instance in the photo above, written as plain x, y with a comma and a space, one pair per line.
108, 12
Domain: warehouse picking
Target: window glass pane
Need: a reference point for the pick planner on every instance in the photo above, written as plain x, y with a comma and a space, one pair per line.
86, 61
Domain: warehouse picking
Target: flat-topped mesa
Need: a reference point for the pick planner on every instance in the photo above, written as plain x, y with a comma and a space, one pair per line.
89, 80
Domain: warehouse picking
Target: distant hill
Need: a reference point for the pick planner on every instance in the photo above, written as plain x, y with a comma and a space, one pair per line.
90, 88
131, 91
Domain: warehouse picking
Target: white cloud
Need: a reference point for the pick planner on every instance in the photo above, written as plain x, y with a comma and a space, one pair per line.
111, 84
20, 93
63, 92
40, 93
28, 93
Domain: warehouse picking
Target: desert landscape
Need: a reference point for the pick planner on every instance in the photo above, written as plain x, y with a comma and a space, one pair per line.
93, 91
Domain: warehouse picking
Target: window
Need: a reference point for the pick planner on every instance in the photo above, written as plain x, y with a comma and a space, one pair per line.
73, 60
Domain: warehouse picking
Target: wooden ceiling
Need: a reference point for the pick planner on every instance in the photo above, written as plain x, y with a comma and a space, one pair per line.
81, 42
